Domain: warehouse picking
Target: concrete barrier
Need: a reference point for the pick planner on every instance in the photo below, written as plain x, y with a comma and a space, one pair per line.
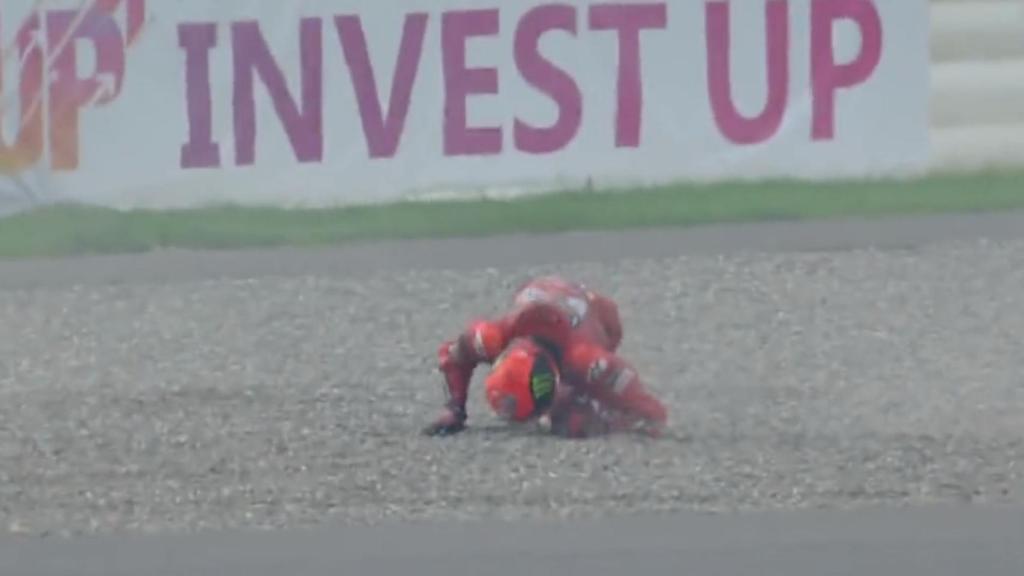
977, 30
977, 108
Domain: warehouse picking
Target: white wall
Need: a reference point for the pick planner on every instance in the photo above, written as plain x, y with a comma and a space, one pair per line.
204, 106
977, 113
104, 154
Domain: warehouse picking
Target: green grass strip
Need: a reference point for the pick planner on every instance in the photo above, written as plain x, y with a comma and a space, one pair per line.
73, 230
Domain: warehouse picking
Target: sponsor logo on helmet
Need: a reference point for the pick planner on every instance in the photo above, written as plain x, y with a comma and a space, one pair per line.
542, 385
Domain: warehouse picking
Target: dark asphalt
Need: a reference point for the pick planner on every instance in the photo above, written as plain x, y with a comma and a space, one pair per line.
921, 542
892, 233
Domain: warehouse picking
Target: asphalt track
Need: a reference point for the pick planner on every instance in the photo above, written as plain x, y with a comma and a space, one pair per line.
890, 233
909, 541
876, 542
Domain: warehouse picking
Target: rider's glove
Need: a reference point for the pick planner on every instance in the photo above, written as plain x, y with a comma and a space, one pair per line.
451, 421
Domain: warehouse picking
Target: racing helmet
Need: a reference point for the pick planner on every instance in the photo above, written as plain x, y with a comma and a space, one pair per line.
521, 384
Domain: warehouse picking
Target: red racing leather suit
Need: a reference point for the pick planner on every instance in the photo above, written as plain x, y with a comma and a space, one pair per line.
582, 330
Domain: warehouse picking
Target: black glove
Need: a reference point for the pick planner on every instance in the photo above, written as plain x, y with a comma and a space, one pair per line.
451, 421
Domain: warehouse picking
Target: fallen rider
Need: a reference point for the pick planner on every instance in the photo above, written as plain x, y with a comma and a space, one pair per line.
554, 362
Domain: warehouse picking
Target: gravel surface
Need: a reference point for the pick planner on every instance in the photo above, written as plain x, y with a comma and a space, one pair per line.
794, 380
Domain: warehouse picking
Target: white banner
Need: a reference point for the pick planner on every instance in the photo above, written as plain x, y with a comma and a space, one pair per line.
328, 102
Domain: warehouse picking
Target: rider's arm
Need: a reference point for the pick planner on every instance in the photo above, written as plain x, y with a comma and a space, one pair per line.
457, 359
481, 342
484, 340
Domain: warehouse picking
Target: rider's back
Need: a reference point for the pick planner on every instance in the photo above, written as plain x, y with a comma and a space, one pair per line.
593, 317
